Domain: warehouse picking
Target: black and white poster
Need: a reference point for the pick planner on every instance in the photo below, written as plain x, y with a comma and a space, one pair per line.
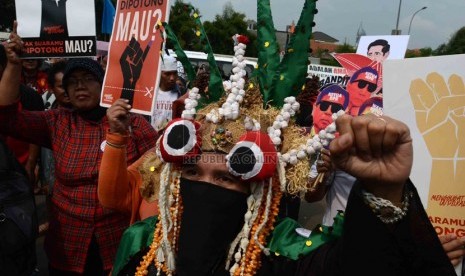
57, 28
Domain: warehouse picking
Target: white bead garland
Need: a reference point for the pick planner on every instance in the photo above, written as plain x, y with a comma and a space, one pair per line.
190, 104
230, 109
240, 243
314, 144
289, 109
251, 124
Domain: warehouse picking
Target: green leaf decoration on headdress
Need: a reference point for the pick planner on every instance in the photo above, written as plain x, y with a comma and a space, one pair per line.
215, 85
181, 55
268, 48
292, 71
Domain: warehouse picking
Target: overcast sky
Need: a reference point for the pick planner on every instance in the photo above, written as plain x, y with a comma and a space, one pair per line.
341, 18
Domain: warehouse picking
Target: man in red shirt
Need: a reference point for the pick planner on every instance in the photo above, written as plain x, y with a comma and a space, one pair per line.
82, 236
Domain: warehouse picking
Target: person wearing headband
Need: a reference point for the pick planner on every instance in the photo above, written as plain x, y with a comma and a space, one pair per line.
166, 94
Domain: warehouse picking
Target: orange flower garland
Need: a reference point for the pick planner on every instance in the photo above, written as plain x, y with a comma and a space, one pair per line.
251, 261
176, 212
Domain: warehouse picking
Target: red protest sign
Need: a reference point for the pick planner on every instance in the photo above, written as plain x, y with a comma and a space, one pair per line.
134, 54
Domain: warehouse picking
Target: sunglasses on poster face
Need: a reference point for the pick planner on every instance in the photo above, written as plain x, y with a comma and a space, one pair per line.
324, 105
362, 84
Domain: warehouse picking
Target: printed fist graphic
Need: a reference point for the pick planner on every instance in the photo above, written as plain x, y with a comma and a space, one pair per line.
440, 114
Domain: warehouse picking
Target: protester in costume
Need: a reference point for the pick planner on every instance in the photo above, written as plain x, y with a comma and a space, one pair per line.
218, 179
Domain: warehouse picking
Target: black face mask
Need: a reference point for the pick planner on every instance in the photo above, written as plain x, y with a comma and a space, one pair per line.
211, 219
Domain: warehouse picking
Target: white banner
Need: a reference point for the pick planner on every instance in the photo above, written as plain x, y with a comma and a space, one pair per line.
383, 47
428, 94
328, 74
57, 28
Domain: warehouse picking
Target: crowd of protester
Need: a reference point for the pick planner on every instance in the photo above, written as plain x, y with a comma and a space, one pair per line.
51, 120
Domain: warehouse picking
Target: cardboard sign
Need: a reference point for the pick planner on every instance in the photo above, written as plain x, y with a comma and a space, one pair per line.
62, 28
328, 74
428, 94
133, 67
383, 47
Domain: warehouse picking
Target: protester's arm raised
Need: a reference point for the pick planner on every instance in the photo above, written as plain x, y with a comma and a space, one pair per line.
378, 152
28, 126
118, 186
11, 79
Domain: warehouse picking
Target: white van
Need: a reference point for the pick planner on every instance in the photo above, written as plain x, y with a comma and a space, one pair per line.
224, 62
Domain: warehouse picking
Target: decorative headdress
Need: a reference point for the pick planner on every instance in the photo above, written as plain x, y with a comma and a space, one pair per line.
263, 144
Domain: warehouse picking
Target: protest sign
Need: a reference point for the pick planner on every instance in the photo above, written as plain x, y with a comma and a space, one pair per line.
134, 55
428, 94
62, 28
328, 74
383, 47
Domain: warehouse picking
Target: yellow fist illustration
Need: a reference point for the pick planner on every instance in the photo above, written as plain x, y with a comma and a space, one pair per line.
440, 114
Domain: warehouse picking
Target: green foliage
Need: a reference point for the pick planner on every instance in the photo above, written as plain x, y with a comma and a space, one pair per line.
184, 26
330, 62
456, 45
327, 59
423, 52
221, 30
426, 52
345, 48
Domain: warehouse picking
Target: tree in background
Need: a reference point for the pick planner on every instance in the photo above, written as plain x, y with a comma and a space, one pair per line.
423, 52
456, 45
183, 26
221, 30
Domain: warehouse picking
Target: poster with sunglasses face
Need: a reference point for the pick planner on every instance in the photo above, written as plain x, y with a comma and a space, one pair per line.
57, 28
363, 85
331, 99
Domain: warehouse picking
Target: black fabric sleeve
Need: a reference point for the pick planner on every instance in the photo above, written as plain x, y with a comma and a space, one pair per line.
369, 247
